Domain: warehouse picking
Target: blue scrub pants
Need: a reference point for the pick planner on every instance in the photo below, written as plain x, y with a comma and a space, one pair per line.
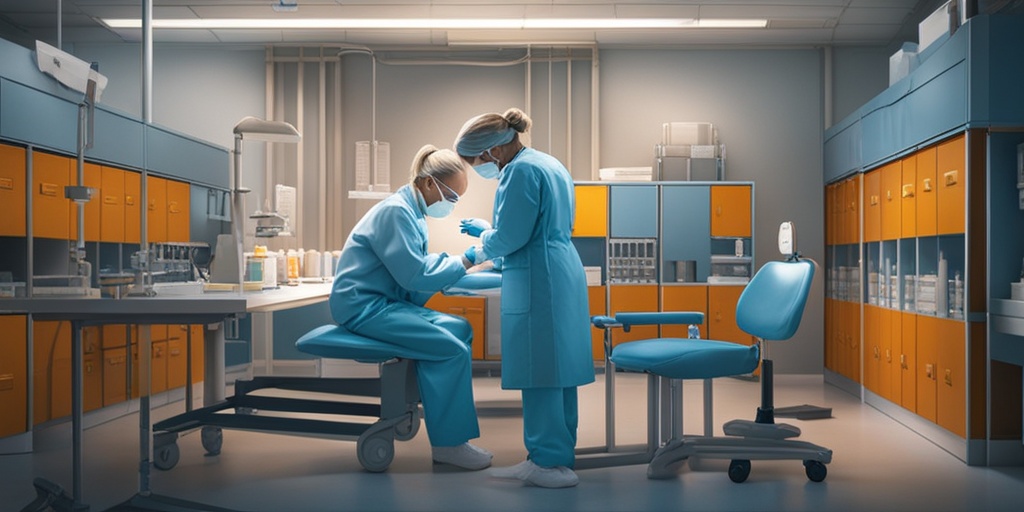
444, 372
550, 419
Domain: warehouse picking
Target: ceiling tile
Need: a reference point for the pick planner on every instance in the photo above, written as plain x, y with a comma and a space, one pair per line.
873, 15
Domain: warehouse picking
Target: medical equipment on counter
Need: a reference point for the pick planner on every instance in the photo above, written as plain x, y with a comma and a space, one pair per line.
632, 260
770, 308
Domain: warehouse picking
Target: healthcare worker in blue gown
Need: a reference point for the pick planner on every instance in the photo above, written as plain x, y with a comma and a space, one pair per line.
384, 277
545, 325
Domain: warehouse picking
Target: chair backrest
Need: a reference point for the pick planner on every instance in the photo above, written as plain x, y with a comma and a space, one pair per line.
772, 304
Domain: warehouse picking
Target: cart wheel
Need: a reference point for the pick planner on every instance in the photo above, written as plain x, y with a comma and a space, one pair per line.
739, 470
375, 452
816, 471
407, 430
213, 439
166, 457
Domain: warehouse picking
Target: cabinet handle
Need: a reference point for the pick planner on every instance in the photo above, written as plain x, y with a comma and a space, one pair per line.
48, 189
929, 371
877, 352
951, 177
6, 381
908, 190
888, 355
172, 207
110, 200
903, 361
129, 200
949, 377
874, 200
927, 184
7, 183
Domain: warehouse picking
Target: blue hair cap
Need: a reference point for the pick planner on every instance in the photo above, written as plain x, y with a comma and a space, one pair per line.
475, 143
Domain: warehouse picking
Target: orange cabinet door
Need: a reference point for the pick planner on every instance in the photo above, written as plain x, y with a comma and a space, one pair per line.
684, 298
111, 203
908, 362
951, 173
852, 210
730, 210
198, 356
721, 317
872, 347
51, 211
873, 206
46, 337
156, 220
92, 381
133, 207
470, 308
12, 190
832, 336
927, 192
591, 211
598, 304
892, 181
178, 197
13, 376
908, 203
115, 376
927, 366
951, 396
853, 340
177, 352
625, 298
93, 178
891, 355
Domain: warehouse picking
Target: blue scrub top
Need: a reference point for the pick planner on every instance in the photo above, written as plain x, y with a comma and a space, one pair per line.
385, 260
545, 317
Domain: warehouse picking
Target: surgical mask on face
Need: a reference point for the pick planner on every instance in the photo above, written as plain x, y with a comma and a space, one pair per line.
488, 170
442, 208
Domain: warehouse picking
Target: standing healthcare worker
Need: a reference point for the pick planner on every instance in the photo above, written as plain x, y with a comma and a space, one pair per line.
384, 277
545, 326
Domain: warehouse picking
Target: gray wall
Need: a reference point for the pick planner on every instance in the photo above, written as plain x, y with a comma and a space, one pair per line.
766, 104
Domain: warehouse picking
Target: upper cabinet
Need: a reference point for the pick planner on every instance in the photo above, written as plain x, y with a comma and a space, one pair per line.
730, 211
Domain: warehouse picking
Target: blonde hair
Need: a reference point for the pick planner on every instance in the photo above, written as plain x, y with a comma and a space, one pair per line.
433, 162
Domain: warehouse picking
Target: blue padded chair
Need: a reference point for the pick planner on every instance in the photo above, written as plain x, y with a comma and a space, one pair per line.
770, 308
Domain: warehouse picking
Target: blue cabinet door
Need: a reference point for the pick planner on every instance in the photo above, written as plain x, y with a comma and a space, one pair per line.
634, 211
686, 229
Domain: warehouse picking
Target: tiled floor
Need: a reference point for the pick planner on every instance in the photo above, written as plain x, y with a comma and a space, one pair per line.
878, 465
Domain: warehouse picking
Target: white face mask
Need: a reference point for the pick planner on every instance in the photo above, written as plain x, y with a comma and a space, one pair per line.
444, 207
488, 170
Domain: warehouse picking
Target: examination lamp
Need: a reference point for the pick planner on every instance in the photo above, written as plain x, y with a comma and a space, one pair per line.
249, 128
81, 77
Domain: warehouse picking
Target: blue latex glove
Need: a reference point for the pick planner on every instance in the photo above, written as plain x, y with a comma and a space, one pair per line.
498, 263
470, 254
473, 227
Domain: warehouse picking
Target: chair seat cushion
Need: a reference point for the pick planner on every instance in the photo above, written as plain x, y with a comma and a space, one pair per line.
681, 358
337, 342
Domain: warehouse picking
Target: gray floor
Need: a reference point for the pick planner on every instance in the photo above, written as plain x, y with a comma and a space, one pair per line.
878, 465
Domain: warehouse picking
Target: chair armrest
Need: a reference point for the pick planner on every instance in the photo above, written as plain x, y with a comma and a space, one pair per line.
604, 322
667, 317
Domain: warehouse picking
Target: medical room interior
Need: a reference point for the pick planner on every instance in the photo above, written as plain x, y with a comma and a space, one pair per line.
829, 194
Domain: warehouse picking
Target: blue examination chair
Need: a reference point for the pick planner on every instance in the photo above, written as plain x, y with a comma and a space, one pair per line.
770, 308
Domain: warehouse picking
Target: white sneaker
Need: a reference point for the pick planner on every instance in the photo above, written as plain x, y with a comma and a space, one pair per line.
528, 471
465, 455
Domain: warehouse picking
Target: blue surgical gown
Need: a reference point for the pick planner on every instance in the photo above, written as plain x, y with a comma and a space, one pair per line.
384, 277
545, 319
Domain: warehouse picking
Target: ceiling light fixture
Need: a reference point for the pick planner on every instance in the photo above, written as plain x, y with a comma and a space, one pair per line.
438, 23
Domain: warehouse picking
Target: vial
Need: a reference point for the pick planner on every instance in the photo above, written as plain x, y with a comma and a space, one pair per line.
693, 332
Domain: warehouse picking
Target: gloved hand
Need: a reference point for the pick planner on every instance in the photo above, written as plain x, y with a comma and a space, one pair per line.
470, 254
473, 227
499, 263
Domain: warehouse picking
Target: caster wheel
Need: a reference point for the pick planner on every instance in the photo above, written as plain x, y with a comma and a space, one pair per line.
375, 452
407, 430
166, 457
739, 470
213, 440
816, 471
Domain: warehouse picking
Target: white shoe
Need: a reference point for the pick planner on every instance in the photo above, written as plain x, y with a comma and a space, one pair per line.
465, 455
528, 471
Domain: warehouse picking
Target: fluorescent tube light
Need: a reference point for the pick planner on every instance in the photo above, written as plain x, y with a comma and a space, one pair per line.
437, 24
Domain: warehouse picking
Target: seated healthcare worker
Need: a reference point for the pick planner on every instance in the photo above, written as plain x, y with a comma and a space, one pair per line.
545, 320
384, 277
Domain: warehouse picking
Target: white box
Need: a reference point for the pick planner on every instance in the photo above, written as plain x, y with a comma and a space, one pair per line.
679, 133
933, 27
593, 275
903, 62
626, 173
